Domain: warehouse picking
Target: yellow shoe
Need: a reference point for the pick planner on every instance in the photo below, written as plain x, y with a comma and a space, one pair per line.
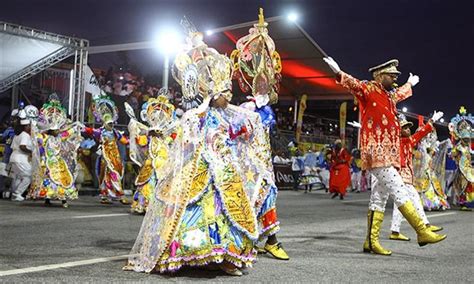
374, 223
125, 201
105, 201
399, 237
277, 251
425, 235
434, 228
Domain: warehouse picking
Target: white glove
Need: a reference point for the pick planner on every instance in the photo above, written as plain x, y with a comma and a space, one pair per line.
437, 115
262, 100
413, 79
355, 124
332, 64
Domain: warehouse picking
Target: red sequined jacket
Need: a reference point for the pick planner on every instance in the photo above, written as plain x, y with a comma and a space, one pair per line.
406, 152
380, 132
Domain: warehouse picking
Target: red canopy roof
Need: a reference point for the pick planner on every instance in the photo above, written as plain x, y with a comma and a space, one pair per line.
304, 71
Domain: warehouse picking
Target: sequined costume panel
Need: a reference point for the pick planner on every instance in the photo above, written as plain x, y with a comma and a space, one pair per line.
54, 178
464, 177
202, 210
380, 132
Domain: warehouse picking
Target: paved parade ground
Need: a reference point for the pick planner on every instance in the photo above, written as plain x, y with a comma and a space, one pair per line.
88, 242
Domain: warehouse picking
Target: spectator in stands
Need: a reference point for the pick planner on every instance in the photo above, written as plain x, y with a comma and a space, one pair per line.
279, 158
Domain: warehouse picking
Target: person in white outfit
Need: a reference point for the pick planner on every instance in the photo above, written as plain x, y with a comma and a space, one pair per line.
21, 161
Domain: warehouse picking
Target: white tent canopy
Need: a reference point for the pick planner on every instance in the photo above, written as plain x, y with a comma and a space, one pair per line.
25, 52
17, 53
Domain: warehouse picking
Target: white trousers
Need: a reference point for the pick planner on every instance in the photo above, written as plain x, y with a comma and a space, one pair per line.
387, 182
21, 180
415, 199
356, 180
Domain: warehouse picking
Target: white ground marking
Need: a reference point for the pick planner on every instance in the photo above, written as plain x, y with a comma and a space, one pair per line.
99, 216
438, 215
356, 201
62, 265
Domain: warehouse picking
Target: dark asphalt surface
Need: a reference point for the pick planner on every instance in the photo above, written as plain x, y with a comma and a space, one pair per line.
322, 236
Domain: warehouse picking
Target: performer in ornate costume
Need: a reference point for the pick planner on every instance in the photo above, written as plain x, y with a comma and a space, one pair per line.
429, 171
380, 148
462, 129
202, 210
257, 68
340, 173
109, 164
55, 155
407, 143
149, 146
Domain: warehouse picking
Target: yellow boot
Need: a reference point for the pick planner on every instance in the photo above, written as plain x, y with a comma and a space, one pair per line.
425, 235
374, 223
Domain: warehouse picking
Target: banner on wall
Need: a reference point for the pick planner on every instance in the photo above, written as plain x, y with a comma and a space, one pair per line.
91, 82
299, 124
342, 122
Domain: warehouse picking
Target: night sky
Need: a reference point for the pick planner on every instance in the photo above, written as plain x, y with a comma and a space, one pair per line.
433, 39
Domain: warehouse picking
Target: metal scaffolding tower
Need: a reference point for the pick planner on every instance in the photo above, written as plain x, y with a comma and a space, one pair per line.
68, 46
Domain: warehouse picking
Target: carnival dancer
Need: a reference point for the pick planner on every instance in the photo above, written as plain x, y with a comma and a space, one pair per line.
202, 211
109, 164
450, 170
54, 155
461, 127
429, 171
150, 146
407, 143
380, 148
323, 166
340, 174
257, 68
310, 174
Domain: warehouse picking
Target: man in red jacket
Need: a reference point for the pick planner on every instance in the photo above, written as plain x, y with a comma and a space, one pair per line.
407, 143
380, 147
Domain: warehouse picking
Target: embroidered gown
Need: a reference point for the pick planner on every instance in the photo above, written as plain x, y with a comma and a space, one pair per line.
464, 177
55, 168
202, 210
109, 165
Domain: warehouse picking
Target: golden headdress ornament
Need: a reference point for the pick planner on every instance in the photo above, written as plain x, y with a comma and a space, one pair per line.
158, 112
52, 114
257, 65
201, 71
462, 125
104, 109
